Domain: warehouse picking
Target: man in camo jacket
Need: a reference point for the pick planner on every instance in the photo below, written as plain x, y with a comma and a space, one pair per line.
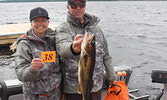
69, 46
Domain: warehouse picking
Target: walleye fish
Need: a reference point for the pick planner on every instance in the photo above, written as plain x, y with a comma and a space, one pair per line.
86, 65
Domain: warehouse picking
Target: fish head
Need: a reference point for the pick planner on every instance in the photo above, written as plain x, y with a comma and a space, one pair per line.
88, 44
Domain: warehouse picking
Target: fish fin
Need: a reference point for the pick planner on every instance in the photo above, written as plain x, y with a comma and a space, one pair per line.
79, 86
79, 63
79, 89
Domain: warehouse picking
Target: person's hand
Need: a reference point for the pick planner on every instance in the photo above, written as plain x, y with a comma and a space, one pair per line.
112, 82
36, 63
77, 43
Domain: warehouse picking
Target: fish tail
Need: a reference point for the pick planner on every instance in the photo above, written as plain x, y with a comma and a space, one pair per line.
90, 84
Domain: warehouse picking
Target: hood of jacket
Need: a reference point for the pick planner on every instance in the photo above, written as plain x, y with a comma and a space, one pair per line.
32, 36
90, 21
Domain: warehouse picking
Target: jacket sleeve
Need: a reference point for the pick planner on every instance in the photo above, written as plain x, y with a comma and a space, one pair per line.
23, 60
108, 62
64, 41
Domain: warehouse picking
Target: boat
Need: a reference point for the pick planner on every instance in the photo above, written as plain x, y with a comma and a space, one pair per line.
12, 89
10, 32
160, 76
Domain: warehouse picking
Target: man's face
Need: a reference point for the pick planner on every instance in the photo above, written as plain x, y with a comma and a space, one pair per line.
77, 9
39, 25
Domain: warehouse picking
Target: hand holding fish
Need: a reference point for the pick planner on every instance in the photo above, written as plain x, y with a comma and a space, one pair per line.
36, 63
77, 43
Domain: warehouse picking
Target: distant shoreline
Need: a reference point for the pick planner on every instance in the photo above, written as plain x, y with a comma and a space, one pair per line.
6, 1
13, 1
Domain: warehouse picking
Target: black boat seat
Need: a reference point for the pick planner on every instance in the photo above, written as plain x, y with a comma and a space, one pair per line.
159, 76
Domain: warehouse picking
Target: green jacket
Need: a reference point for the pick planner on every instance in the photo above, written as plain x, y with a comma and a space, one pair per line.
48, 78
64, 39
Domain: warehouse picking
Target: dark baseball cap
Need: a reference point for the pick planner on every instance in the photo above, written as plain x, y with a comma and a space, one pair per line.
38, 12
69, 1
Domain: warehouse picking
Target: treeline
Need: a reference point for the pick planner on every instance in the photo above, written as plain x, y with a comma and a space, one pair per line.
66, 0
43, 0
30, 0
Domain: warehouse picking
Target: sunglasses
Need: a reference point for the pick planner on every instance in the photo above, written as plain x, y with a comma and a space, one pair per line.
74, 5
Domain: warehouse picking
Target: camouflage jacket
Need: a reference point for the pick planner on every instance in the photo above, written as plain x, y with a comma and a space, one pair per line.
64, 38
48, 78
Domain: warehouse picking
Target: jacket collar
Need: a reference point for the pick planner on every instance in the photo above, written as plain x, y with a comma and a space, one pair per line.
89, 20
30, 35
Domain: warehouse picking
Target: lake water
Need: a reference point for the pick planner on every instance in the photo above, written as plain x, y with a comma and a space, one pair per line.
136, 32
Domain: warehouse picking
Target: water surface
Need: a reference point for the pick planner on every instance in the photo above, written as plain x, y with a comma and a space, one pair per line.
135, 31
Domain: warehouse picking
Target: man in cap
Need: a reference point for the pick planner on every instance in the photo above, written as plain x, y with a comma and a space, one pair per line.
68, 41
41, 81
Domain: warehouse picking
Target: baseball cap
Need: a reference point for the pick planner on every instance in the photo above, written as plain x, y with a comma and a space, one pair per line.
38, 12
69, 1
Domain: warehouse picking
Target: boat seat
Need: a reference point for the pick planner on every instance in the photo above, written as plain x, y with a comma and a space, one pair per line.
159, 76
